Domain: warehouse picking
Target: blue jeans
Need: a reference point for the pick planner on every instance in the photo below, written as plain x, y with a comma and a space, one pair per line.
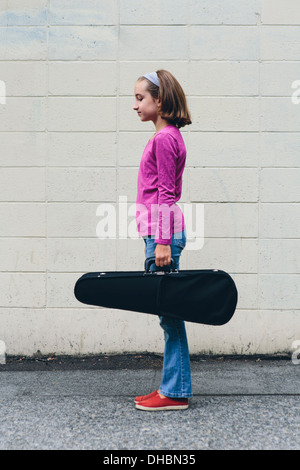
176, 375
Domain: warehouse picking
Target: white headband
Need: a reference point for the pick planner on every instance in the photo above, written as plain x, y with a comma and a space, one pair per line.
152, 76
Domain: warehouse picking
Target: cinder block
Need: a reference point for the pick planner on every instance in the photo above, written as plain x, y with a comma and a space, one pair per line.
81, 184
155, 12
237, 78
279, 256
81, 114
91, 12
234, 255
75, 255
104, 221
82, 149
22, 184
224, 42
280, 185
277, 78
23, 219
23, 114
83, 42
280, 149
232, 220
72, 220
23, 43
279, 291
24, 78
277, 220
23, 149
248, 332
218, 12
23, 254
83, 78
153, 42
23, 290
223, 149
224, 185
130, 252
280, 12
225, 113
127, 183
280, 43
247, 290
60, 289
185, 194
85, 327
131, 146
16, 13
279, 114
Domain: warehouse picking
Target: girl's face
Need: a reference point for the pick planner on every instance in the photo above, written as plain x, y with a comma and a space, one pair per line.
145, 105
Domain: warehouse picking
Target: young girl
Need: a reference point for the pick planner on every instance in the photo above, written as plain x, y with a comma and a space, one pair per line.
159, 98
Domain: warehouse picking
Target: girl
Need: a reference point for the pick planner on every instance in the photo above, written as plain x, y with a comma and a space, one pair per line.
159, 98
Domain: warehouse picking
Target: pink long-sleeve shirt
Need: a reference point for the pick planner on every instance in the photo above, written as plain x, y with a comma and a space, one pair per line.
159, 186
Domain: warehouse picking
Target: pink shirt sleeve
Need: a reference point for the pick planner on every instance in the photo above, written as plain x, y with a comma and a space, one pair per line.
166, 159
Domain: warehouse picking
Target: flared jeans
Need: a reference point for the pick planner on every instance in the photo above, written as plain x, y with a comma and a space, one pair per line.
176, 374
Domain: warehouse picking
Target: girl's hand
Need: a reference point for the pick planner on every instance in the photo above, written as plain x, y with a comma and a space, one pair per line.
162, 255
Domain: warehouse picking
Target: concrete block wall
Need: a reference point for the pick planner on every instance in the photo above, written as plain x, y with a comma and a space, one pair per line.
70, 141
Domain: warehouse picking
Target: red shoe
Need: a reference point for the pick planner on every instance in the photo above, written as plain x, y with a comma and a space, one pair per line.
156, 403
145, 397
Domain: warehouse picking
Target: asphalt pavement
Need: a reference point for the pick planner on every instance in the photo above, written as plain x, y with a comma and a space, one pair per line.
238, 404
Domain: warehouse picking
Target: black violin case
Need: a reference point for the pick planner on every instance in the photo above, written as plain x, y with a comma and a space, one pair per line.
207, 296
